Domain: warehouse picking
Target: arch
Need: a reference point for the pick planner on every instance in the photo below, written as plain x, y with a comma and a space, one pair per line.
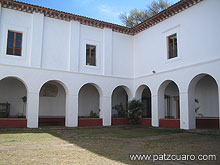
164, 107
52, 103
143, 93
14, 92
163, 86
140, 90
168, 104
196, 79
128, 91
119, 101
203, 101
93, 84
20, 79
89, 96
57, 81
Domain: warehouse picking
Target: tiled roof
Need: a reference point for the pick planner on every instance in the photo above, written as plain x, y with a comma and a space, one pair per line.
165, 14
172, 10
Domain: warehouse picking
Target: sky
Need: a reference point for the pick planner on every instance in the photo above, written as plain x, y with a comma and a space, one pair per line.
105, 10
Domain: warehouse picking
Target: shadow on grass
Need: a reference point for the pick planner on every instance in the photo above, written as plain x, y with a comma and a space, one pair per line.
114, 143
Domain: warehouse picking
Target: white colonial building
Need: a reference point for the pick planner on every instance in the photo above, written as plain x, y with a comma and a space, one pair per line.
61, 68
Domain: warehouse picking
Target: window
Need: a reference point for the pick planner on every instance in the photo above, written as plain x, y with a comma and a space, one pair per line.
172, 46
14, 44
91, 55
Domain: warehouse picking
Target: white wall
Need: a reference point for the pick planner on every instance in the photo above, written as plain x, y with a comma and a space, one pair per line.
117, 54
19, 22
60, 55
53, 106
198, 36
55, 44
12, 91
56, 38
122, 55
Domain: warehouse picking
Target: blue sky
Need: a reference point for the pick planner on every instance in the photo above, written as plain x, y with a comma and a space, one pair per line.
106, 10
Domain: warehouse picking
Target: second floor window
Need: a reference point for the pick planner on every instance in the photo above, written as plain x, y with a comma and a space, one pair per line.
14, 43
91, 55
172, 46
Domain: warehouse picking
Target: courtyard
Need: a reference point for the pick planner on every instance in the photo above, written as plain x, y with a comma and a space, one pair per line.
103, 145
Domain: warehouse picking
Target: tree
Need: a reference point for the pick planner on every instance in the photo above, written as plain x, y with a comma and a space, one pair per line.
135, 17
135, 109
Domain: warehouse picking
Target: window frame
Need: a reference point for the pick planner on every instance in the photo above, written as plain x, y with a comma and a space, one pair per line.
175, 51
14, 43
90, 55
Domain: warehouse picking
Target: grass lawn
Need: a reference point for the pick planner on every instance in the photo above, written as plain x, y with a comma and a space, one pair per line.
59, 145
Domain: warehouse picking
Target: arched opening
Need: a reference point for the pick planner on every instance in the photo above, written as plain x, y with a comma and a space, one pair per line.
52, 104
143, 93
204, 102
13, 101
171, 98
146, 101
119, 105
169, 105
89, 106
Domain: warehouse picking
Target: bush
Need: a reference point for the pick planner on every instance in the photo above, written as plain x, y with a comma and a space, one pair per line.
93, 114
121, 112
135, 109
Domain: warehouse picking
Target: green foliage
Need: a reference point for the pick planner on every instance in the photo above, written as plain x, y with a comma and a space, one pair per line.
93, 114
122, 112
136, 17
197, 108
135, 109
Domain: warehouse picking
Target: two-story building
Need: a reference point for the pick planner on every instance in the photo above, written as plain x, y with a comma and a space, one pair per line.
62, 68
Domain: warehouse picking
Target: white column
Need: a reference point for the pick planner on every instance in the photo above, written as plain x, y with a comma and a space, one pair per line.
0, 13
74, 46
107, 51
106, 108
71, 119
158, 111
187, 111
36, 39
0, 9
155, 115
191, 110
32, 110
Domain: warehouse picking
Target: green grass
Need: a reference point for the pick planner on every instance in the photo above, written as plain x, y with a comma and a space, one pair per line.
100, 145
123, 132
